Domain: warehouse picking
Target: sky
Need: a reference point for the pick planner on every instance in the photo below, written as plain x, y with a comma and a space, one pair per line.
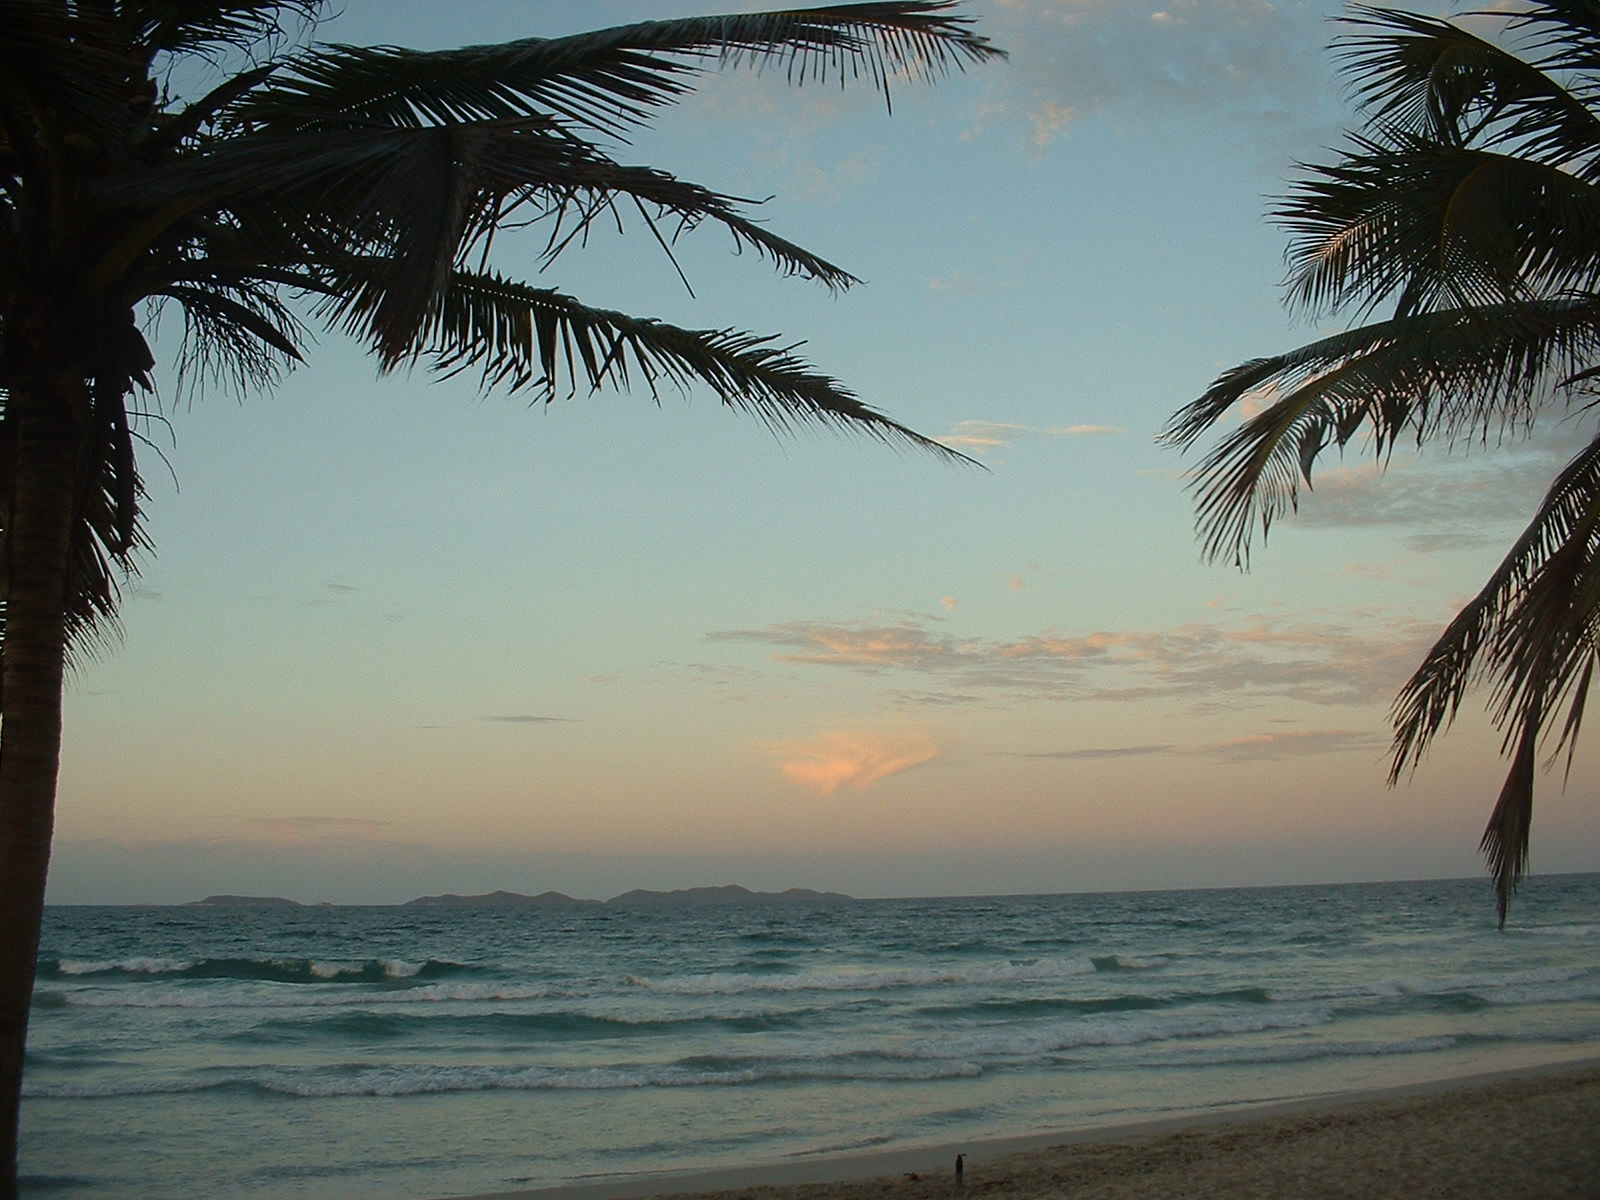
399, 636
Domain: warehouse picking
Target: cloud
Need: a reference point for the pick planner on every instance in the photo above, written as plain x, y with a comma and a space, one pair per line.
1357, 660
1094, 752
1444, 502
1049, 119
829, 184
1255, 64
976, 437
906, 698
528, 719
901, 645
983, 435
1297, 743
1004, 274
329, 593
831, 759
948, 603
956, 281
1294, 744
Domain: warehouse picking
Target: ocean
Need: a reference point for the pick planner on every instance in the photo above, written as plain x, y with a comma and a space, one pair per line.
422, 1052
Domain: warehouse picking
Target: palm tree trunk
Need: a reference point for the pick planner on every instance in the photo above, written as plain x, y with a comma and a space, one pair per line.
37, 547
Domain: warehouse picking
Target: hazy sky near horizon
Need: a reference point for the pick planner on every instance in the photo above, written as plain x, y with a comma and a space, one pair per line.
398, 637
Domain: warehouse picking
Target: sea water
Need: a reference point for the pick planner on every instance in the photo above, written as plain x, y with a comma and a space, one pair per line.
419, 1052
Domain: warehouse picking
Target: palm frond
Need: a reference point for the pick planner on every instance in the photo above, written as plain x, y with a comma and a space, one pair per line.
1531, 629
613, 79
525, 338
1506, 838
425, 197
1566, 31
1432, 78
243, 333
1430, 224
62, 73
1457, 374
107, 531
208, 27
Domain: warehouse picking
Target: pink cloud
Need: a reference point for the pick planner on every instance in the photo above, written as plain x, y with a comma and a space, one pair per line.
983, 435
852, 759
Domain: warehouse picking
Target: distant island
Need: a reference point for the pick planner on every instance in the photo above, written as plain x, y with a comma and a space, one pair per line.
695, 897
730, 893
503, 899
225, 901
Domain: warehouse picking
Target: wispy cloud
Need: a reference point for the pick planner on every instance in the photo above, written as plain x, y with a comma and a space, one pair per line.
976, 437
983, 435
1254, 64
1294, 744
827, 183
528, 719
1465, 500
329, 592
1085, 431
1093, 752
1355, 660
956, 281
852, 759
1299, 743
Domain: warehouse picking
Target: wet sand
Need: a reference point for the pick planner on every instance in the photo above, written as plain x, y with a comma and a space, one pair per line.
1526, 1135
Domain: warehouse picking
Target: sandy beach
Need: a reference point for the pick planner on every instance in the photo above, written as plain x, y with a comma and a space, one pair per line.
1529, 1135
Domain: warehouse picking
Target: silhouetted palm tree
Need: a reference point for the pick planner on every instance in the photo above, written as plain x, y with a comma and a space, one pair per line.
1466, 207
355, 188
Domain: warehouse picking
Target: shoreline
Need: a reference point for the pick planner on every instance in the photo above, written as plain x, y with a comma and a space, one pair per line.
1535, 1128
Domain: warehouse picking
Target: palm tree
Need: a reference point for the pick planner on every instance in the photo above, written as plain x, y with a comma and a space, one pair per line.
1465, 215
355, 188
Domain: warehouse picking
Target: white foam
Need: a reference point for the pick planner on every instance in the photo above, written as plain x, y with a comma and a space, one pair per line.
131, 966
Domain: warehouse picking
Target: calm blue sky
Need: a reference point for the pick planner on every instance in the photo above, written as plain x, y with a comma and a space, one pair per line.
399, 637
